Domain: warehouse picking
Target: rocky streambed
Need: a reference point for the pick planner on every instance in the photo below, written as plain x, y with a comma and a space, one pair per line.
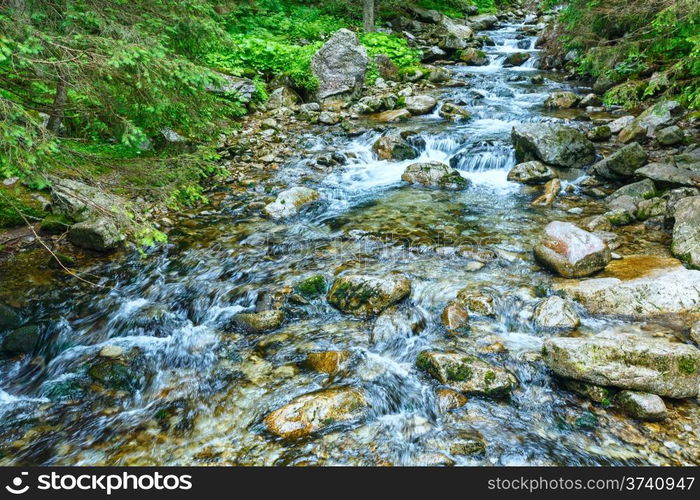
474, 271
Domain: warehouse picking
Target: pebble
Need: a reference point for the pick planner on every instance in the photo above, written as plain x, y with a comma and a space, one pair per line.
111, 351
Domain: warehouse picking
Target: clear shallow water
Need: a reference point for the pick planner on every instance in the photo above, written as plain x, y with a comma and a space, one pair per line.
203, 388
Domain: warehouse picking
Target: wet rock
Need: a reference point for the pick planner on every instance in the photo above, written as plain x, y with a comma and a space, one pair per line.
328, 118
397, 322
647, 209
662, 292
686, 231
282, 97
590, 100
467, 443
674, 196
516, 59
658, 116
466, 373
436, 175
433, 460
455, 316
473, 57
552, 144
55, 224
393, 115
453, 112
340, 66
483, 22
571, 251
596, 223
602, 395
394, 147
623, 163
617, 125
111, 351
667, 175
455, 35
115, 375
433, 53
290, 201
670, 136
627, 361
551, 191
9, 318
637, 191
477, 301
100, 234
531, 172
420, 104
449, 399
600, 134
22, 340
537, 80
312, 287
695, 333
316, 411
555, 312
642, 405
329, 362
561, 100
439, 74
259, 322
364, 295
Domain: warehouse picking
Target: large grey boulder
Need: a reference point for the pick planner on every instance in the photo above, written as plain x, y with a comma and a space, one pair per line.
394, 147
686, 231
365, 296
483, 22
658, 116
674, 291
340, 66
627, 361
667, 175
570, 251
466, 373
623, 163
420, 104
290, 201
435, 174
79, 201
552, 144
98, 233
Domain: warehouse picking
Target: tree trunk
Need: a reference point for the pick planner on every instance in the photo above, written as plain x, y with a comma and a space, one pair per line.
59, 104
368, 15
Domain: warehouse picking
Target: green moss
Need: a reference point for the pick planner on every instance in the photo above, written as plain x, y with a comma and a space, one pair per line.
55, 224
313, 286
458, 372
489, 377
423, 361
114, 375
687, 365
587, 421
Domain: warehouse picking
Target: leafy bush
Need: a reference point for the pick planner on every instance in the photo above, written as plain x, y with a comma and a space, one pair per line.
396, 48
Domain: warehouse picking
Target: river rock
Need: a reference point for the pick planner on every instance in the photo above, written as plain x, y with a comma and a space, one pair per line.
243, 88
623, 163
329, 362
570, 251
467, 443
81, 202
394, 147
477, 302
627, 361
328, 118
516, 59
561, 100
552, 144
555, 312
466, 373
473, 57
455, 316
686, 231
637, 191
340, 66
590, 100
9, 318
22, 340
617, 125
316, 411
658, 116
259, 322
290, 201
453, 112
642, 405
420, 104
435, 174
667, 175
695, 333
439, 74
664, 292
670, 136
483, 22
600, 134
602, 395
531, 172
393, 115
100, 234
282, 97
449, 399
116, 375
397, 322
551, 191
365, 296
312, 287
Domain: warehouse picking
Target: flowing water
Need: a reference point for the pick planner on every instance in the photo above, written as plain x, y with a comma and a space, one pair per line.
197, 390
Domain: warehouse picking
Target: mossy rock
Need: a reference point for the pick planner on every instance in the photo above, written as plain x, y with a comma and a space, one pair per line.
115, 375
312, 287
55, 224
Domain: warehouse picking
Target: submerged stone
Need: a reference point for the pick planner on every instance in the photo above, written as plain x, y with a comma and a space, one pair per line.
365, 295
642, 405
260, 322
290, 201
435, 174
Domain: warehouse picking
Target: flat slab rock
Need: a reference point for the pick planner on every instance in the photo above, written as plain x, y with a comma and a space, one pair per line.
674, 291
570, 251
627, 361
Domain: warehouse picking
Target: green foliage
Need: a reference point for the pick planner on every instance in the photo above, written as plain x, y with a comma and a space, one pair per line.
397, 49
